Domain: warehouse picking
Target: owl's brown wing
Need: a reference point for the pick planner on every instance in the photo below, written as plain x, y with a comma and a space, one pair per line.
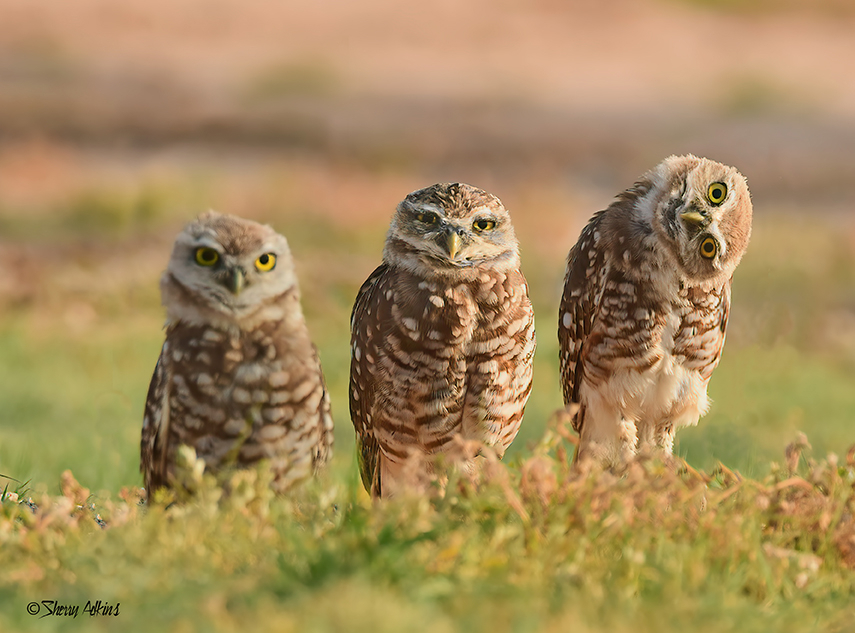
155, 430
364, 332
323, 451
586, 269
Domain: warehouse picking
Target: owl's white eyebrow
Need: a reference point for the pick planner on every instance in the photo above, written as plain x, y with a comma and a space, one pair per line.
204, 240
430, 209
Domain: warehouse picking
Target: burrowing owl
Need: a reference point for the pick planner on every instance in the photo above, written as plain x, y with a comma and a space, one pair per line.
442, 337
645, 306
238, 378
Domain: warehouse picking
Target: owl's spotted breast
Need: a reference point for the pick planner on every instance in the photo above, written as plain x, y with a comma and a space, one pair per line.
431, 363
241, 397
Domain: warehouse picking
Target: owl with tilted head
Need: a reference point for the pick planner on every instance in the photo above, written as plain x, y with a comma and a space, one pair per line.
442, 336
646, 300
238, 378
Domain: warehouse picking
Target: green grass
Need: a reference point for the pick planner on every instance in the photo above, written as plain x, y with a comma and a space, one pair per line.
73, 404
533, 549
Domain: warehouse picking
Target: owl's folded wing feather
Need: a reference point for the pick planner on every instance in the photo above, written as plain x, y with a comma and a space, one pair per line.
362, 380
579, 307
324, 448
155, 429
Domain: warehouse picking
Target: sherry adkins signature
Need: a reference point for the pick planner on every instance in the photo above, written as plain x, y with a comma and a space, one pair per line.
53, 607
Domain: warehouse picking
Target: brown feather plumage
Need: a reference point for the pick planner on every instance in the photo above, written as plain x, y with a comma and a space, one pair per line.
238, 379
644, 312
442, 345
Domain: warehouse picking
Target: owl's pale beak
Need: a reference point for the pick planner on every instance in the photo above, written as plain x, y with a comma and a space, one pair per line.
236, 280
452, 241
693, 217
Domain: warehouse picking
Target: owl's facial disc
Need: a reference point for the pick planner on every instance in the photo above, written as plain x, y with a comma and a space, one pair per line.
234, 280
450, 229
691, 217
457, 241
700, 212
223, 269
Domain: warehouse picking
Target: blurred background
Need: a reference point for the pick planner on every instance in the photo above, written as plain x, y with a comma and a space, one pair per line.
120, 121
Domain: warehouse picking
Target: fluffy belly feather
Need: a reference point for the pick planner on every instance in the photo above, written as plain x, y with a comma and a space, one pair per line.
664, 392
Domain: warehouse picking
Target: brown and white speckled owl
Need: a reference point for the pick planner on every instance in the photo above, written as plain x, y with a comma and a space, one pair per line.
238, 379
645, 306
442, 338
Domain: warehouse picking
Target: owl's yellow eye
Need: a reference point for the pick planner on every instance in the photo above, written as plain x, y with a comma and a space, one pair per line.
427, 218
709, 247
483, 225
266, 262
717, 192
207, 256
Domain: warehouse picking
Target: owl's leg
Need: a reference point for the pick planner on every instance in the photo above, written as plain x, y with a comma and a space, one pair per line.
684, 412
608, 436
665, 438
412, 474
645, 436
656, 439
390, 475
660, 442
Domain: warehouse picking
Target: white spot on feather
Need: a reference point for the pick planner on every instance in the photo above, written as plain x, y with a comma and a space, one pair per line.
271, 432
278, 379
203, 380
241, 395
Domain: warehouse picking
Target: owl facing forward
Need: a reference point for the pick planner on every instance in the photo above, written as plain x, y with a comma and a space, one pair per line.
237, 379
645, 306
442, 339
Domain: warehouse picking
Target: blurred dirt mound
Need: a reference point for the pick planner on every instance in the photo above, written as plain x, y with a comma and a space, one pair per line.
601, 91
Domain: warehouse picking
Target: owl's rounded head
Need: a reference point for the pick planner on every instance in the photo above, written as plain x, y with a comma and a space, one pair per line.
451, 227
702, 211
226, 265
